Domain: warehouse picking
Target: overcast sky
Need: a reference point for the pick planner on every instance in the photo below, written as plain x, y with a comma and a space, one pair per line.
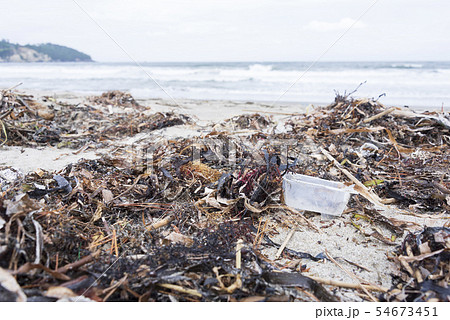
242, 30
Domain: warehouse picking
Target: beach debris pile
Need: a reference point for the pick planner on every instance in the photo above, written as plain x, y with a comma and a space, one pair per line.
425, 260
400, 155
190, 219
246, 121
116, 98
26, 121
69, 227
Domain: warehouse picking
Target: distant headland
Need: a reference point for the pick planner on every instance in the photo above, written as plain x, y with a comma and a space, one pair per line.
45, 52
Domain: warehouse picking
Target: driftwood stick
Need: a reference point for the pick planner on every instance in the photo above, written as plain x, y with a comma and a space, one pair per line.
77, 264
347, 285
406, 113
239, 246
284, 244
379, 115
129, 189
361, 188
274, 112
4, 115
175, 287
161, 223
30, 266
4, 133
13, 87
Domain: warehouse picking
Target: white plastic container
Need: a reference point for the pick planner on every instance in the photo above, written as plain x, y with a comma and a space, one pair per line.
314, 194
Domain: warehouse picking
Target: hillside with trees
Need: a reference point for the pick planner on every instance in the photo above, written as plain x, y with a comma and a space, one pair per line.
48, 52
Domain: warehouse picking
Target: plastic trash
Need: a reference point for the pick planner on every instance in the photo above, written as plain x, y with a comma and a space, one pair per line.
314, 194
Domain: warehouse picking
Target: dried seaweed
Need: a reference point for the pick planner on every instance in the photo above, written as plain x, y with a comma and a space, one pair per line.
425, 261
28, 121
166, 227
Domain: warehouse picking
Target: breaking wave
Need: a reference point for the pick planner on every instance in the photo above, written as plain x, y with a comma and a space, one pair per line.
405, 83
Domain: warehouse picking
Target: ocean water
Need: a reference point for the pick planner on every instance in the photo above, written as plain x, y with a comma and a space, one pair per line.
415, 84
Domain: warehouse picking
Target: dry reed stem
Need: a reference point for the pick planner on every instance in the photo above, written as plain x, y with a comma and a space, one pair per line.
284, 244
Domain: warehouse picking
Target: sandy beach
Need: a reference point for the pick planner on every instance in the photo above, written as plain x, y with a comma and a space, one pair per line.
359, 257
206, 114
216, 151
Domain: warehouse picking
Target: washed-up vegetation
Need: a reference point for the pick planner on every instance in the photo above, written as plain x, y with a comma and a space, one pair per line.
187, 219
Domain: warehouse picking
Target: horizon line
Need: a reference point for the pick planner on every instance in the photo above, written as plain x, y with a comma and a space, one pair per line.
242, 61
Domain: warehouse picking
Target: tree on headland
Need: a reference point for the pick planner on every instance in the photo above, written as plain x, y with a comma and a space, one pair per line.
6, 49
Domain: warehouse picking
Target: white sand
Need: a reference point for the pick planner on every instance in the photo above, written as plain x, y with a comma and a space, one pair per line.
342, 241
48, 158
